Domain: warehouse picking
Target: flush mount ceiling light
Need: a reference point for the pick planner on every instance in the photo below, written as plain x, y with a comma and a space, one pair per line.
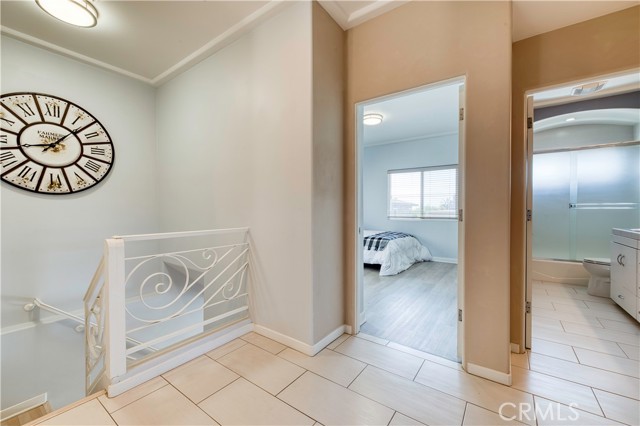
372, 119
81, 13
586, 89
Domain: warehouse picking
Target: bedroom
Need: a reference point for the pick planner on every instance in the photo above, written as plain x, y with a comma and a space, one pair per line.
409, 145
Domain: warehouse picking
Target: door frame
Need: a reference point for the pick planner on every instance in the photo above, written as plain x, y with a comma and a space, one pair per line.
358, 304
528, 253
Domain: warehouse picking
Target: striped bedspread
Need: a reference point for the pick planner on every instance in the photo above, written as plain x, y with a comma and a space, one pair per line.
378, 242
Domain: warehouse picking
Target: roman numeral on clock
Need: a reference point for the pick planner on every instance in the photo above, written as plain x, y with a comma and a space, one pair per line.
3, 139
6, 156
28, 112
91, 135
9, 122
97, 151
24, 173
53, 110
54, 182
93, 166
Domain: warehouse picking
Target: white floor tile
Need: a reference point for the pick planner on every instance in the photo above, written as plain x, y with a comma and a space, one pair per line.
424, 404
616, 364
478, 416
91, 413
544, 322
575, 316
264, 343
481, 392
551, 413
603, 334
200, 378
625, 410
243, 403
579, 340
166, 406
583, 374
613, 312
394, 361
573, 295
633, 352
621, 326
261, 368
402, 420
328, 364
113, 404
331, 404
556, 350
555, 389
226, 348
424, 355
373, 339
339, 340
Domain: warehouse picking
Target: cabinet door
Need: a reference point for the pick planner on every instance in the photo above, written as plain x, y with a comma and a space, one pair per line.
623, 276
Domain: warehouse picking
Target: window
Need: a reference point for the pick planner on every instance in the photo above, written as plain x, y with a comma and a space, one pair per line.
425, 193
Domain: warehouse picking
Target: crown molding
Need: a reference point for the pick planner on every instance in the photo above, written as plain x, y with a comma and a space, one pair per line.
348, 21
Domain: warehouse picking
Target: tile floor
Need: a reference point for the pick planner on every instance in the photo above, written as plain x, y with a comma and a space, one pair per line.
582, 370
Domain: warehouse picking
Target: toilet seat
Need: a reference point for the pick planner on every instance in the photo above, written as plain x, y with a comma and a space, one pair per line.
598, 261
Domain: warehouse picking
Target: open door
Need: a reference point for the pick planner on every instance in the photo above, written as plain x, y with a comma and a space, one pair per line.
529, 213
359, 299
461, 192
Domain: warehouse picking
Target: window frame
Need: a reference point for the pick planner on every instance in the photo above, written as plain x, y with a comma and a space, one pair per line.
422, 171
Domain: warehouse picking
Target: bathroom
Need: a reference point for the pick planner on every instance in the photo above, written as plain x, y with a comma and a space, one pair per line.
584, 149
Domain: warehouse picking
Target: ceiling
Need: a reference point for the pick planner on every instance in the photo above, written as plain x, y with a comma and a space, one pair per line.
614, 84
616, 116
153, 41
426, 114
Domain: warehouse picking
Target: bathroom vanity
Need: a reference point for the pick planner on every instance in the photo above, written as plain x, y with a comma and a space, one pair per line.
625, 270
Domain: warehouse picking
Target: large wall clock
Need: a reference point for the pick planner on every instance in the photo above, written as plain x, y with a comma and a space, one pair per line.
49, 145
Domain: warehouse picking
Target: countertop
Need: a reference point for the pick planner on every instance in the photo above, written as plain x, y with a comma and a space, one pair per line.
634, 234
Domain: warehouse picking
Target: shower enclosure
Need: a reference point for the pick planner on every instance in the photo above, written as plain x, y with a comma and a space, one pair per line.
579, 195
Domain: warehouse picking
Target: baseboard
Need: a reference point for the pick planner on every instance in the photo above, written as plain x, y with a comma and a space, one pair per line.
155, 367
487, 373
23, 406
515, 348
445, 260
299, 346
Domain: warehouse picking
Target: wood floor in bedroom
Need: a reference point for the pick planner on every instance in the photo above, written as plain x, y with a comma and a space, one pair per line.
416, 308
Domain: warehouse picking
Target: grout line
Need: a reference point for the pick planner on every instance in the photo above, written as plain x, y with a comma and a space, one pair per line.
358, 375
392, 416
464, 413
598, 402
418, 372
166, 382
189, 399
107, 411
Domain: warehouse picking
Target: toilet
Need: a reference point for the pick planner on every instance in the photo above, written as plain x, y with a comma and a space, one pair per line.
600, 271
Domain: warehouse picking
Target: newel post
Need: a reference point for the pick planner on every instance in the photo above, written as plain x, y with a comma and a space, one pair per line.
115, 330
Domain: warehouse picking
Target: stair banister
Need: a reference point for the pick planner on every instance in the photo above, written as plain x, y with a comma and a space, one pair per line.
115, 330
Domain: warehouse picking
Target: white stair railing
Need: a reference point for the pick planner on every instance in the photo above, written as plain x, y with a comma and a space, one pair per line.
156, 295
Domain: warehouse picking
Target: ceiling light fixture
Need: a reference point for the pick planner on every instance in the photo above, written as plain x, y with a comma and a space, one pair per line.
81, 13
372, 119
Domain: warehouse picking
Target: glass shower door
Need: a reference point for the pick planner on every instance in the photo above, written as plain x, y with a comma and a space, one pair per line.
579, 196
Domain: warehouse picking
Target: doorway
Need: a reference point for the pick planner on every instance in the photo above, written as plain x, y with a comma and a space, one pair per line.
583, 145
410, 203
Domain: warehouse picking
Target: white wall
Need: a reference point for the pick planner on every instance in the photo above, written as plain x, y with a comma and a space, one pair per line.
51, 245
440, 236
234, 141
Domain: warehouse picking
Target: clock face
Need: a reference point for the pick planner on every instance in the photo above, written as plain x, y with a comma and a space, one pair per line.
51, 146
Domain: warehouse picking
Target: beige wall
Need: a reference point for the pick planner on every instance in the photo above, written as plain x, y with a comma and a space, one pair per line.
599, 46
425, 42
327, 149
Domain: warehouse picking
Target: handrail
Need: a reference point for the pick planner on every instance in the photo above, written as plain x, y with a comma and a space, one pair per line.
183, 234
95, 279
50, 308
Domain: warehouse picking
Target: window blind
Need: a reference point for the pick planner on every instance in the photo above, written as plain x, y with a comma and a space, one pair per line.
425, 193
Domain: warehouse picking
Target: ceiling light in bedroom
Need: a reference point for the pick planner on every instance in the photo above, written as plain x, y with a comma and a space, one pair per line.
81, 13
372, 119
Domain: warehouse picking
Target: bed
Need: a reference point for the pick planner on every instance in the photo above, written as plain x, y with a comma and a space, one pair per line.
393, 251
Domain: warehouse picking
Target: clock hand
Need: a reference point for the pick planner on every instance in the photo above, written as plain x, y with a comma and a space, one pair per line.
26, 145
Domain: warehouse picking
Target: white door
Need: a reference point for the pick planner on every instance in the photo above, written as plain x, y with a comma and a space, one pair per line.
529, 217
359, 299
461, 162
